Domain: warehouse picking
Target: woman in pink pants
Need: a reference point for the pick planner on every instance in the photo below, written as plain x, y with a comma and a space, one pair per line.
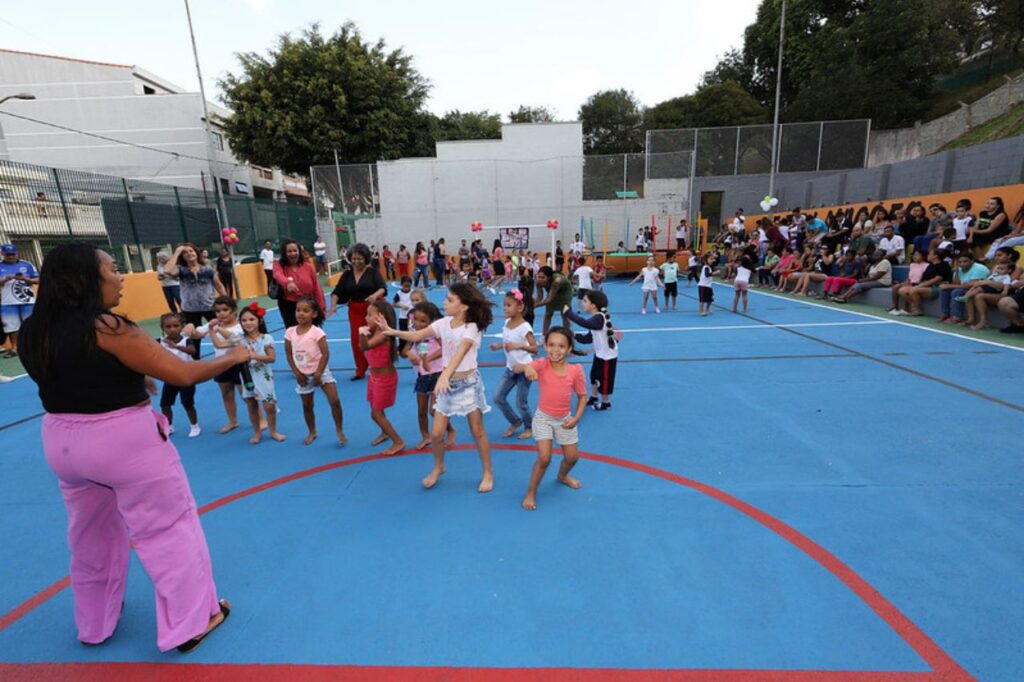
120, 476
850, 270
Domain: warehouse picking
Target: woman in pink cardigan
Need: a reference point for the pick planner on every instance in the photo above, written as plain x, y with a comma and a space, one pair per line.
297, 278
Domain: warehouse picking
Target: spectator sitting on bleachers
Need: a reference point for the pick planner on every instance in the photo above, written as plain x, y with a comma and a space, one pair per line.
940, 220
985, 292
992, 224
1012, 305
935, 275
849, 272
787, 265
764, 272
824, 266
951, 294
893, 246
914, 225
806, 265
879, 220
918, 265
1014, 238
861, 242
879, 275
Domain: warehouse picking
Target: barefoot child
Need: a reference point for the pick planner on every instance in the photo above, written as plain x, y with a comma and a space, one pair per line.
305, 345
425, 357
552, 421
381, 351
224, 332
260, 345
519, 344
650, 286
175, 342
602, 334
460, 389
741, 285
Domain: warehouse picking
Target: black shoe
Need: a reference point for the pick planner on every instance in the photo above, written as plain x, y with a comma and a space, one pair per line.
357, 377
600, 407
1012, 329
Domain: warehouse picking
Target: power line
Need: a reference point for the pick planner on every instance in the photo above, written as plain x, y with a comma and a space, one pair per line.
179, 155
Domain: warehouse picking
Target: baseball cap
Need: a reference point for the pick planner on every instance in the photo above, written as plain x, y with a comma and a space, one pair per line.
8, 248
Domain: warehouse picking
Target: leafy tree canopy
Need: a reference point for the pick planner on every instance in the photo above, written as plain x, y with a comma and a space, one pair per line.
612, 123
313, 94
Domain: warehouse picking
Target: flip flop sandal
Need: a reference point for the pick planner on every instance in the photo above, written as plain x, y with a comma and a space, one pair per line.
193, 643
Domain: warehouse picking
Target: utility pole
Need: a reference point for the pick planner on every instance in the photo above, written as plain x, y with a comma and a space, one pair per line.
778, 98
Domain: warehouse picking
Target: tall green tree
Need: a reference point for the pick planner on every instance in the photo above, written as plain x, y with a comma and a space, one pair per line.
527, 114
719, 104
612, 123
313, 94
469, 125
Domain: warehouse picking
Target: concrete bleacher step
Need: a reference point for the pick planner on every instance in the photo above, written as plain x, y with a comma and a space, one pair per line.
882, 298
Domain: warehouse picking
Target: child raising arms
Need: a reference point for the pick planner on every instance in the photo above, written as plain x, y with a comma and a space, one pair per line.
650, 286
552, 421
381, 351
518, 343
606, 347
260, 345
460, 389
305, 345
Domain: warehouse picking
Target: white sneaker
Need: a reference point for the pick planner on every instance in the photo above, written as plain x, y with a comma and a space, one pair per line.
194, 431
643, 311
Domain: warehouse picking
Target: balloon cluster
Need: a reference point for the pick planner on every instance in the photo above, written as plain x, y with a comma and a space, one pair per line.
769, 202
230, 235
552, 224
476, 226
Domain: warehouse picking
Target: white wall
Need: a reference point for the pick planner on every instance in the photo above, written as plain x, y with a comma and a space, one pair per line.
534, 173
102, 98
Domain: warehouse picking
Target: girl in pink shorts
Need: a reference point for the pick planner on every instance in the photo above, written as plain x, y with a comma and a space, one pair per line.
381, 351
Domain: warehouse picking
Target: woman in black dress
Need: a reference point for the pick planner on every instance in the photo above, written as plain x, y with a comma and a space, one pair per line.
358, 288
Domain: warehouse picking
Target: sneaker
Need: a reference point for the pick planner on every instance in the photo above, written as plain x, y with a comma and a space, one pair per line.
657, 309
194, 431
1012, 329
601, 407
643, 311
592, 401
960, 299
895, 311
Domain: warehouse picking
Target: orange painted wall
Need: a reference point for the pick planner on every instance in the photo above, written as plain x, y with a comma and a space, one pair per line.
143, 297
1012, 195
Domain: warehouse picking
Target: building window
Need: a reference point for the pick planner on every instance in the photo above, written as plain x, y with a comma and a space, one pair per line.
146, 90
225, 187
217, 139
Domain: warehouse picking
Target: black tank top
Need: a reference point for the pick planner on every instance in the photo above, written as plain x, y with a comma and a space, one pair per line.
83, 382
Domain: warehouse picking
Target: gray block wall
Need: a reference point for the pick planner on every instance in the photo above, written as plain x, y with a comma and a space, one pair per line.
987, 165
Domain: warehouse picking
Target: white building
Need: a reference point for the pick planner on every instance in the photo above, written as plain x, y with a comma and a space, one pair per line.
534, 173
124, 103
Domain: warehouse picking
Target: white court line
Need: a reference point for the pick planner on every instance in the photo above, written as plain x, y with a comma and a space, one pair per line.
876, 317
724, 327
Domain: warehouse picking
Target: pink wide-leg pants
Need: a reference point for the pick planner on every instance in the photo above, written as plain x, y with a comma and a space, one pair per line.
122, 479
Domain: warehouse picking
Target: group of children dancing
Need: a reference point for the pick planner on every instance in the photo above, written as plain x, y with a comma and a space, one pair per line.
443, 350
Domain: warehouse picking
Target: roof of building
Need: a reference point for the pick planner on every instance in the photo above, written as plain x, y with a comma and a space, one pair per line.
67, 59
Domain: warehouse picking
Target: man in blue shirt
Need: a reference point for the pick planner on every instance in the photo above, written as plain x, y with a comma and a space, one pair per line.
17, 295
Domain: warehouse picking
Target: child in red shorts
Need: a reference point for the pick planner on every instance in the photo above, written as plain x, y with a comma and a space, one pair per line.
381, 352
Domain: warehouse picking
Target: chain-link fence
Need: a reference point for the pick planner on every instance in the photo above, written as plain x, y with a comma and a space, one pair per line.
41, 207
747, 150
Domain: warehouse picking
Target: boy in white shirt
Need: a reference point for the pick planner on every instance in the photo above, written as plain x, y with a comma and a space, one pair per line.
584, 280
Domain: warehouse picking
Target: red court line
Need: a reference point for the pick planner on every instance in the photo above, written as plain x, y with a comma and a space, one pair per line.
171, 672
944, 668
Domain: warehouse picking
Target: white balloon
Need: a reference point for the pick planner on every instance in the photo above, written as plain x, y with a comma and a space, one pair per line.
775, 201
765, 205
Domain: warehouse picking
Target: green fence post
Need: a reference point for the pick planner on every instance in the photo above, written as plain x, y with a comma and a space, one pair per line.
131, 223
63, 204
181, 215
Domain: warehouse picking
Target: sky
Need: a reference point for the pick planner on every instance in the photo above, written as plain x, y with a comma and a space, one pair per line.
477, 55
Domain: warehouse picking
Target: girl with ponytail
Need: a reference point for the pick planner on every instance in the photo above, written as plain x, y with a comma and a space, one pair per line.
601, 333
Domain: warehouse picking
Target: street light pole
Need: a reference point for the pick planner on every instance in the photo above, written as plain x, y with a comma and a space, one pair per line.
206, 122
778, 98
